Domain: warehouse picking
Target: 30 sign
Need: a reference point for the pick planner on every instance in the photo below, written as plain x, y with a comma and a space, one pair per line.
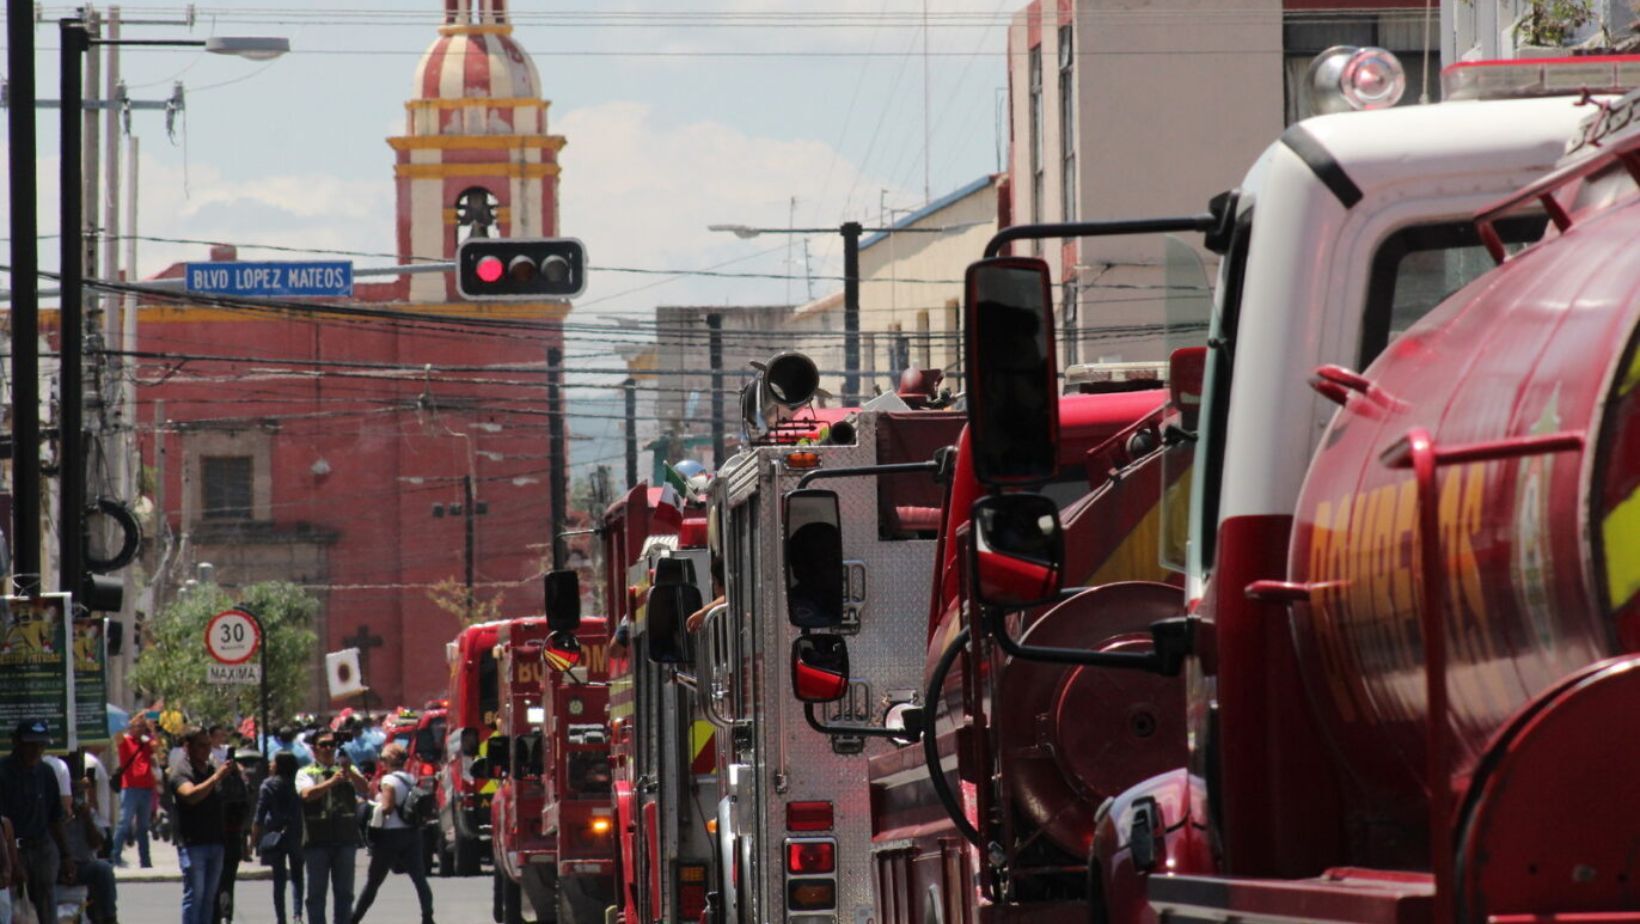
233, 637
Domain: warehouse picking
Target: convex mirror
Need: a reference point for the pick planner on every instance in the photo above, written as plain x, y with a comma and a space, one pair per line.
1013, 405
814, 559
819, 668
1019, 550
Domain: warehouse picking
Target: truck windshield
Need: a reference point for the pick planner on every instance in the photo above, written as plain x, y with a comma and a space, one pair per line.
1416, 268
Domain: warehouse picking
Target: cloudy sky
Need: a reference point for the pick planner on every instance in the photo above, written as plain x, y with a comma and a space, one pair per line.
678, 114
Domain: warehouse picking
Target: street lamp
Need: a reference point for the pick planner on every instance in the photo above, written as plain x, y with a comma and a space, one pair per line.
76, 41
851, 231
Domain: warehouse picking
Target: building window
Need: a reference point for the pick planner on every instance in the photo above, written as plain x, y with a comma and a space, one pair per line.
1068, 322
1067, 125
227, 483
1036, 137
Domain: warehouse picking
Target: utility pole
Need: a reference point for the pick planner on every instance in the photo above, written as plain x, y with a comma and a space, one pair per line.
75, 41
631, 433
557, 457
714, 351
851, 312
468, 514
25, 300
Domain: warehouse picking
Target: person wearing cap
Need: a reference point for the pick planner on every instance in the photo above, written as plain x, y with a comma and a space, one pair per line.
330, 790
196, 787
29, 797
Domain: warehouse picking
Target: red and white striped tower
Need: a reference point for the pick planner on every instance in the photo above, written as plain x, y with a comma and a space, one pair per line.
476, 157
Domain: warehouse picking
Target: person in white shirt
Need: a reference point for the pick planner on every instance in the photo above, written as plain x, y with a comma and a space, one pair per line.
65, 784
99, 794
397, 842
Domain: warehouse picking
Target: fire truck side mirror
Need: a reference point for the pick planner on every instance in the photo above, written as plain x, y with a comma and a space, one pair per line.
1013, 406
1018, 550
814, 559
563, 601
666, 614
819, 668
1186, 370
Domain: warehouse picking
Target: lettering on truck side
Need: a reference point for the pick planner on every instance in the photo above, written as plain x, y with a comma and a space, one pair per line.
1363, 564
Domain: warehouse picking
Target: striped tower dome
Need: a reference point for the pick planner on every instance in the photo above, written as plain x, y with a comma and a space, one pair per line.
475, 58
476, 157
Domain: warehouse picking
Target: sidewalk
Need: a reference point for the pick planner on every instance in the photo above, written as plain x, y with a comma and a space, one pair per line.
166, 869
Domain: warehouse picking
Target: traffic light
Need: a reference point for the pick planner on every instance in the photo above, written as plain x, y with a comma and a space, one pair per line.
526, 269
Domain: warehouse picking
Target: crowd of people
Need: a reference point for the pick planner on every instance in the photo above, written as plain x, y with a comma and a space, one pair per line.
304, 810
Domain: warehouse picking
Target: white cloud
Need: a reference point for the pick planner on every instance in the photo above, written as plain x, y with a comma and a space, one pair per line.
641, 194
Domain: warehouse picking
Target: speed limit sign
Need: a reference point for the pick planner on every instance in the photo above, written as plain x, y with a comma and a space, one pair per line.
232, 637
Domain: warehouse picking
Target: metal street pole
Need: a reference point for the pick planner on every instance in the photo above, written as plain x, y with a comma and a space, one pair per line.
557, 453
851, 312
75, 42
714, 353
468, 513
25, 313
631, 386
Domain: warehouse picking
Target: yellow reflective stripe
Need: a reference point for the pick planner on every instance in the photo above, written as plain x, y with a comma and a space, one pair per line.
1619, 532
700, 738
1631, 378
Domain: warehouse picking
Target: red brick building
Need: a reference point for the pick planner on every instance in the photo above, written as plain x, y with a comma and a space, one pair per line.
336, 451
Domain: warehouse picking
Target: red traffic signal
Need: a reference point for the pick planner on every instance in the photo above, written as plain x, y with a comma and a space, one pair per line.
502, 269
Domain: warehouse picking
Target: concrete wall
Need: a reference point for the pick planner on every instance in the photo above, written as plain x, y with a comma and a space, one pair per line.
1174, 101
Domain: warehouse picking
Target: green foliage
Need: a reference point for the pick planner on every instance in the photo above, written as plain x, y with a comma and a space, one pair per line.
173, 662
1553, 23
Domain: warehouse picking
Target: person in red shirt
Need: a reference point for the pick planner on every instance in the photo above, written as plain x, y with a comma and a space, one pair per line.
136, 771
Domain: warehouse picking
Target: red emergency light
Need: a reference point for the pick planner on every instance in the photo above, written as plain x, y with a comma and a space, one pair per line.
809, 816
811, 857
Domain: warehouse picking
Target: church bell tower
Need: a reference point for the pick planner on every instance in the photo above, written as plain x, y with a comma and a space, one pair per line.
476, 158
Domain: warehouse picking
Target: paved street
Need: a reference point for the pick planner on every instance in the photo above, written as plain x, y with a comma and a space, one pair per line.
456, 901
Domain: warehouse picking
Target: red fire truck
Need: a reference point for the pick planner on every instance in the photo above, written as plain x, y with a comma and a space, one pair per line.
664, 763
463, 799
1390, 197
551, 821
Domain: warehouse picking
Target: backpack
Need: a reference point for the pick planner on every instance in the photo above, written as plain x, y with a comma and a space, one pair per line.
418, 807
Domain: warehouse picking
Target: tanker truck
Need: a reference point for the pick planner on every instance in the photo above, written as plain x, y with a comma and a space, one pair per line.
1450, 606
1388, 197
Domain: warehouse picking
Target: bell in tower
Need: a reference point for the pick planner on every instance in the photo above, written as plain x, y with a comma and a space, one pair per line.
476, 159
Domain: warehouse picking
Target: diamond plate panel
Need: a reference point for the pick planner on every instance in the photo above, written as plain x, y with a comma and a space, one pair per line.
886, 652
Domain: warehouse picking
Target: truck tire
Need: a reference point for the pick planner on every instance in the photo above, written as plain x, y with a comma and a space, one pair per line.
464, 856
512, 900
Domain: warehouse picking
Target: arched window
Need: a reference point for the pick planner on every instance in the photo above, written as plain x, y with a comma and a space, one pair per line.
476, 214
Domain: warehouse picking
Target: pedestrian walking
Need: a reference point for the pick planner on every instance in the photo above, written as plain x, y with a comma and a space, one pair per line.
396, 839
330, 790
135, 753
29, 797
276, 830
195, 788
236, 814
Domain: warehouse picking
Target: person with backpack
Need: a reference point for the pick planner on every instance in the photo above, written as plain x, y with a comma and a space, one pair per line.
276, 831
396, 826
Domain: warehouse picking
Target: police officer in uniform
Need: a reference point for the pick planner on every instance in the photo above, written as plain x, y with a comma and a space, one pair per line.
330, 790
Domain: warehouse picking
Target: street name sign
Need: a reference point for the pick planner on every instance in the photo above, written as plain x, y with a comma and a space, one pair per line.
232, 637
234, 674
310, 279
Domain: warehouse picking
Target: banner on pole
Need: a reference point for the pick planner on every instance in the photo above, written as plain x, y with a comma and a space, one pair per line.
91, 681
34, 666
